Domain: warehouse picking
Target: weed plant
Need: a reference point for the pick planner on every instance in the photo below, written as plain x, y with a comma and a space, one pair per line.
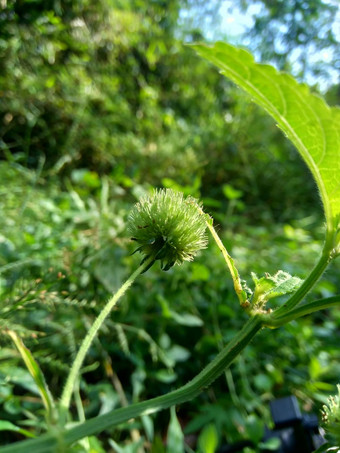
65, 271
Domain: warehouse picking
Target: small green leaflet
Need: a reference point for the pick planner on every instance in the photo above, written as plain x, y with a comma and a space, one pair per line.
208, 439
305, 118
5, 425
35, 372
175, 436
272, 286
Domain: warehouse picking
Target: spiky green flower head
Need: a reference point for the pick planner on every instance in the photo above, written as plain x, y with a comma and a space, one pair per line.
168, 227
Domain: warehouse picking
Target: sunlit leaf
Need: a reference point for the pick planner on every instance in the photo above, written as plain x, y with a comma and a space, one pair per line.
208, 439
305, 118
271, 286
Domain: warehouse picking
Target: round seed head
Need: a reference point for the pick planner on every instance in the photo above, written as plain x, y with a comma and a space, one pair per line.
168, 227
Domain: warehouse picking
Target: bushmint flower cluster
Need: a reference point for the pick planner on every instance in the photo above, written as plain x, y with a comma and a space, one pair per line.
168, 227
331, 420
331, 410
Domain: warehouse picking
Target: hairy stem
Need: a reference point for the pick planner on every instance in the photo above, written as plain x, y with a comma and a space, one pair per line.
75, 369
47, 443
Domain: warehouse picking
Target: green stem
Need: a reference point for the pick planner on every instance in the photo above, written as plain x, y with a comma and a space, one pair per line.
81, 413
302, 310
47, 443
75, 369
310, 280
241, 294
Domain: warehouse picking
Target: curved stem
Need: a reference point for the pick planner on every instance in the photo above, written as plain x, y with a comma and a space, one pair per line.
310, 281
302, 310
241, 294
75, 369
46, 443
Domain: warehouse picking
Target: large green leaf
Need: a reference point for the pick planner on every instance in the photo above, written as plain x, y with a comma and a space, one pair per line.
304, 117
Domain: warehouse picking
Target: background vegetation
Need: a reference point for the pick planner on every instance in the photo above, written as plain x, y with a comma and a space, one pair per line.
100, 102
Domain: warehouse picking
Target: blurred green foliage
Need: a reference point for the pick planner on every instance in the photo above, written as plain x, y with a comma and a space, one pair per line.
99, 102
109, 88
63, 252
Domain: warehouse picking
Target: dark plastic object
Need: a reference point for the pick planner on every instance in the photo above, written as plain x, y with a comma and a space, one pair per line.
298, 433
285, 412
